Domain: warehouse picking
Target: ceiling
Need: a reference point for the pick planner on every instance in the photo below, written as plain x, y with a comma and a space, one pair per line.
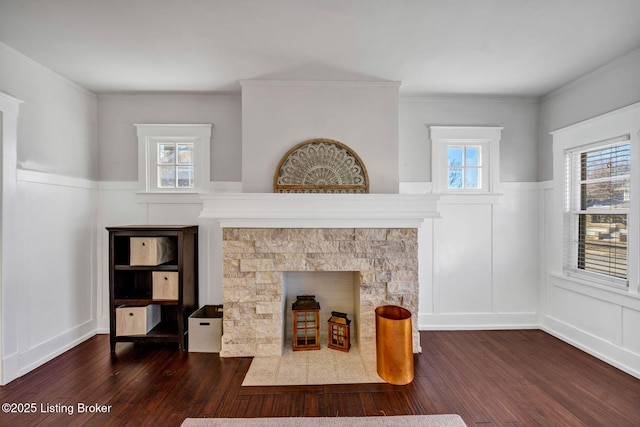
479, 47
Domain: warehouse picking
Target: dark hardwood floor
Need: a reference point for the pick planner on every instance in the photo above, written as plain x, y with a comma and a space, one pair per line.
525, 378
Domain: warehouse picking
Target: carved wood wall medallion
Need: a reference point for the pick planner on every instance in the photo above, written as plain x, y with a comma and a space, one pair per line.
321, 166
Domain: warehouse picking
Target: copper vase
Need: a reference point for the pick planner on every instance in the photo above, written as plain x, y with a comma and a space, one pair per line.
394, 344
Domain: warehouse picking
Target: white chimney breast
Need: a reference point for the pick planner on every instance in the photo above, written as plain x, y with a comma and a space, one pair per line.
277, 115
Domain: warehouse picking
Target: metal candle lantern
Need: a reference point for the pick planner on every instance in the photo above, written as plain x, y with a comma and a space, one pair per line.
306, 323
339, 336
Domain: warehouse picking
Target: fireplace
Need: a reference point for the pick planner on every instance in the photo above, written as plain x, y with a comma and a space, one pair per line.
262, 237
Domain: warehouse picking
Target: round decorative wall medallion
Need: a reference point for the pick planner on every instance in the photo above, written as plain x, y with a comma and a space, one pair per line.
321, 166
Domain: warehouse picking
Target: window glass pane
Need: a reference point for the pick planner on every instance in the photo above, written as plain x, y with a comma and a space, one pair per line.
185, 154
472, 156
455, 156
185, 176
606, 195
167, 176
166, 154
607, 162
602, 244
464, 172
471, 178
455, 178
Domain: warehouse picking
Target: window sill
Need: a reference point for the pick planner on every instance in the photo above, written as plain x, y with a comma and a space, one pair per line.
609, 293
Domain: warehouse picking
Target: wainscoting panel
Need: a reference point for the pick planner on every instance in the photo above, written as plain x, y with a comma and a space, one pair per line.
462, 259
630, 335
56, 289
515, 251
485, 260
578, 310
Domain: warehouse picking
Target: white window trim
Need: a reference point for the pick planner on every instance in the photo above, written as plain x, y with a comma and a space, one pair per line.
486, 136
602, 128
150, 134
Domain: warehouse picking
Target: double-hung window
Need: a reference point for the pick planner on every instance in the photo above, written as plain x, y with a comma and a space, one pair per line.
597, 207
174, 157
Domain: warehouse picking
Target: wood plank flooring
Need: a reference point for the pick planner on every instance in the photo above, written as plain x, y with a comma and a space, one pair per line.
490, 378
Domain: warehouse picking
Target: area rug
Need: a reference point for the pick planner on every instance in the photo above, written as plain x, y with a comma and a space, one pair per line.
324, 366
448, 420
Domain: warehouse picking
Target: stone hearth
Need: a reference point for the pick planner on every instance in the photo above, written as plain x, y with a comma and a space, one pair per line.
254, 260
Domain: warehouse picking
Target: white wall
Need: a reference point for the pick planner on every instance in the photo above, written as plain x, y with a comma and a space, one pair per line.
481, 277
57, 120
49, 304
599, 320
473, 273
278, 115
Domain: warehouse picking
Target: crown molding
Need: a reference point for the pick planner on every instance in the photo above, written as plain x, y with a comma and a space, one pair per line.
631, 56
24, 58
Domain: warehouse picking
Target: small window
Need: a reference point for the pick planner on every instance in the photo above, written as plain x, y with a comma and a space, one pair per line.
465, 158
174, 158
175, 165
464, 167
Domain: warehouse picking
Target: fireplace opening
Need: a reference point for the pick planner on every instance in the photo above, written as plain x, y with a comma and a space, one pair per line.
334, 290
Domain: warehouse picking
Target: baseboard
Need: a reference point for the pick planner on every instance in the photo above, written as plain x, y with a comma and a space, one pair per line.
104, 322
477, 321
606, 351
20, 364
10, 369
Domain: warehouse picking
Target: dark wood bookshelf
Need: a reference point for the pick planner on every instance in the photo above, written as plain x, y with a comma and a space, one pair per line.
132, 285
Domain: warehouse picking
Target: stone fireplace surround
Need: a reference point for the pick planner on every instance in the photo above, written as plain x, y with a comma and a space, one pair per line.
262, 236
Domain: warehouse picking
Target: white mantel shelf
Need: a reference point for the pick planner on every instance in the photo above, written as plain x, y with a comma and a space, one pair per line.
285, 210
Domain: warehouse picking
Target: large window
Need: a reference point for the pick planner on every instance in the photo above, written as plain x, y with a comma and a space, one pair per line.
597, 206
174, 157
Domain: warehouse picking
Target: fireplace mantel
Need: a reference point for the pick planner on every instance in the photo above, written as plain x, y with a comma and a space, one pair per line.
256, 237
276, 210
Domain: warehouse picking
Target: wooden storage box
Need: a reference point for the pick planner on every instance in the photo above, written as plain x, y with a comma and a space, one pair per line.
151, 250
165, 285
137, 320
205, 329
